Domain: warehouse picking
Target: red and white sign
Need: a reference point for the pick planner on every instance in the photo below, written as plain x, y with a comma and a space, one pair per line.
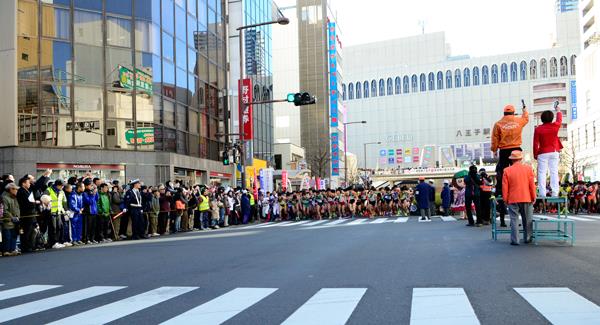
245, 90
219, 175
284, 180
80, 166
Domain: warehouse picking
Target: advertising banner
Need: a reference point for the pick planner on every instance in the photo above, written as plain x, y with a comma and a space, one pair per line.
145, 136
284, 180
143, 81
333, 91
246, 125
335, 154
573, 100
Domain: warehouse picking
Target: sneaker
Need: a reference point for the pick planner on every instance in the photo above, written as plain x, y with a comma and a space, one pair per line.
423, 218
67, 244
217, 227
57, 246
155, 235
88, 242
123, 237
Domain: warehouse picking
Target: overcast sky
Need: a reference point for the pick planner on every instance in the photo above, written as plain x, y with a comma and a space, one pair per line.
473, 27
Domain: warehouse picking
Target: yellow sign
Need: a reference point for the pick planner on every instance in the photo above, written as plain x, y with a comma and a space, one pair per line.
257, 165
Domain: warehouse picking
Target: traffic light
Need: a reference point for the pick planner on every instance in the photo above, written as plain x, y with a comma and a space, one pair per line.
225, 157
301, 99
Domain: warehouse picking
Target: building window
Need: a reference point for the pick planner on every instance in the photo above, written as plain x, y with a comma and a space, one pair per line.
457, 78
373, 88
24, 56
440, 80
564, 66
415, 83
467, 77
343, 91
351, 91
431, 81
485, 75
397, 85
553, 68
390, 87
533, 70
406, 84
365, 89
381, 87
523, 70
475, 76
543, 69
504, 72
423, 82
573, 70
448, 79
494, 74
514, 74
358, 96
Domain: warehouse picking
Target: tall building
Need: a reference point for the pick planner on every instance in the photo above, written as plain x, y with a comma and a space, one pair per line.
430, 109
584, 132
566, 5
121, 88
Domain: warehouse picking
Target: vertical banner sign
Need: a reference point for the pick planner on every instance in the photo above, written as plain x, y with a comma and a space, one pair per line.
335, 154
269, 179
318, 183
333, 100
255, 185
284, 180
262, 180
573, 100
245, 111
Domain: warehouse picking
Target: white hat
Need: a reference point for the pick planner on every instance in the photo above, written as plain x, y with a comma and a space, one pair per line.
446, 181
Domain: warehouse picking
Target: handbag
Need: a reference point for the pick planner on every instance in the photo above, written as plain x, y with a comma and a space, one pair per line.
179, 205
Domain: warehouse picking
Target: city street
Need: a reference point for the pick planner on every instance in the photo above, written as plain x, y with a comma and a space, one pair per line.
383, 271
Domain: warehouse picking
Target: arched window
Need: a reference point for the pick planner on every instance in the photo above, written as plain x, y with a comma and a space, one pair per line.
431, 81
440, 80
351, 91
553, 68
475, 76
423, 82
573, 69
406, 84
397, 86
467, 77
533, 69
523, 70
390, 87
485, 75
343, 91
494, 74
365, 89
564, 66
514, 73
543, 69
414, 80
358, 91
373, 88
448, 79
457, 78
504, 72
381, 87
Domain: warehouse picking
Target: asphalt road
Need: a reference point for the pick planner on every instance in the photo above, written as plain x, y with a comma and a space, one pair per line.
387, 273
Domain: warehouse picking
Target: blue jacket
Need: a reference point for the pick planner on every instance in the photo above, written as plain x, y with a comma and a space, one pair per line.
75, 202
90, 202
245, 203
446, 197
423, 191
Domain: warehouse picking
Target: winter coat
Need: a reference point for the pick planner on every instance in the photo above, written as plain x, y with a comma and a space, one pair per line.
90, 202
75, 202
422, 192
116, 200
103, 204
446, 197
11, 210
472, 185
26, 207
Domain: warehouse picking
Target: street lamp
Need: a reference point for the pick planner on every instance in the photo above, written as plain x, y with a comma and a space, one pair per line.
280, 21
346, 148
365, 153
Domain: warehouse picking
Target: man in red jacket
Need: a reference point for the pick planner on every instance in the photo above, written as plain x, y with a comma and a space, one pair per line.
546, 149
518, 191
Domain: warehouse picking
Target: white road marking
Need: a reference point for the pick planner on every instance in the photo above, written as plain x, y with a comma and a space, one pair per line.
275, 224
448, 218
561, 306
222, 308
39, 306
122, 308
401, 220
297, 223
328, 306
356, 222
580, 219
314, 223
26, 290
335, 222
448, 306
426, 220
379, 220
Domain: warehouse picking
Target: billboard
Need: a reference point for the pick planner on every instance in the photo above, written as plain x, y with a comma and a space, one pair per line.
245, 111
333, 99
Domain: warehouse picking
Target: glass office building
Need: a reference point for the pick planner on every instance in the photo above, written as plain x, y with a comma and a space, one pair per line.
142, 80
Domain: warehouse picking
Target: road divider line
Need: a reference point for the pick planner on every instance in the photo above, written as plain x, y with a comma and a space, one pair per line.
561, 306
127, 306
328, 306
26, 290
223, 307
39, 306
401, 220
448, 306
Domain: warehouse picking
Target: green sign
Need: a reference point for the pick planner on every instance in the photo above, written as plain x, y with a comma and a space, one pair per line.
143, 81
145, 136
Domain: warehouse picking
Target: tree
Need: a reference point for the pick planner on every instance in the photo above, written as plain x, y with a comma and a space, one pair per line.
571, 162
318, 162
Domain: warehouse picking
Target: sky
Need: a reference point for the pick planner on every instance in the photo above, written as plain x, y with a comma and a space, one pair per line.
472, 27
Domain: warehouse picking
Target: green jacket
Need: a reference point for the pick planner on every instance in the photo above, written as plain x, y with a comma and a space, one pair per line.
104, 204
11, 209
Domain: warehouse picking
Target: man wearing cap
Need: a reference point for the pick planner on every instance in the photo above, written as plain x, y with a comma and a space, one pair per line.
133, 204
10, 217
422, 192
446, 198
58, 200
506, 137
518, 191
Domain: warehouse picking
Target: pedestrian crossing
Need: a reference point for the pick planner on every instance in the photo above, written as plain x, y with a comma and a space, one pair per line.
429, 306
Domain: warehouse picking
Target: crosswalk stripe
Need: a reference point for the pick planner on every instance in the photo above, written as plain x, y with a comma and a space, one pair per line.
561, 306
356, 222
297, 223
314, 223
580, 219
447, 306
448, 218
380, 220
401, 220
127, 306
328, 306
222, 308
276, 224
335, 222
39, 306
26, 290
589, 216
